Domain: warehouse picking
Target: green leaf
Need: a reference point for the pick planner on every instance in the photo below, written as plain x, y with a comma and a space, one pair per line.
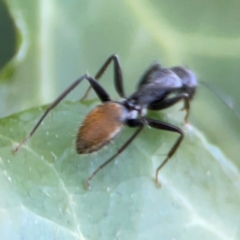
43, 193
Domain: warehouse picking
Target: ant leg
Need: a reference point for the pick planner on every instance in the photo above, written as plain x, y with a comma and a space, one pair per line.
131, 123
168, 102
118, 78
186, 107
100, 91
167, 127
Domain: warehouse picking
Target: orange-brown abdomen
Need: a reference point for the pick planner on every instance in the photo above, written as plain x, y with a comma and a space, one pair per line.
99, 127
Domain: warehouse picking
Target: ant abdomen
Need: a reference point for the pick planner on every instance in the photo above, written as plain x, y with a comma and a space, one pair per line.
99, 127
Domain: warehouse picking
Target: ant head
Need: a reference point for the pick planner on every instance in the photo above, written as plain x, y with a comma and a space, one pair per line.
189, 80
188, 77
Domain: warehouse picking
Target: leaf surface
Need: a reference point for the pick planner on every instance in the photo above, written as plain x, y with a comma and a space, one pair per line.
43, 185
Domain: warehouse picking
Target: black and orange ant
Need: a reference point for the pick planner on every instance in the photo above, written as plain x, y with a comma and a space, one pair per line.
159, 88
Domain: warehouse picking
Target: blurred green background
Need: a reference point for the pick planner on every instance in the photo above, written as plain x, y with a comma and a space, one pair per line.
46, 45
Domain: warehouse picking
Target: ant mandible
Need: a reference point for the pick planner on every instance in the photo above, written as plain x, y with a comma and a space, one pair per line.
158, 88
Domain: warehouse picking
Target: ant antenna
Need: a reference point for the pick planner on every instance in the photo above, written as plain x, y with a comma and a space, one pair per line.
226, 99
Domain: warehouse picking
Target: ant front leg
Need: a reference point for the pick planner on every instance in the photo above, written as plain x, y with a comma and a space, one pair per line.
118, 77
168, 102
167, 127
100, 91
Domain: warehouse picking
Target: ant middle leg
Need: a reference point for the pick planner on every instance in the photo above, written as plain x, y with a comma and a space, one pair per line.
118, 77
167, 127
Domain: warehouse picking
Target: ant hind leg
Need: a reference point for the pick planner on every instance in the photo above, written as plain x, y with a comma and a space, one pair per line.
118, 77
99, 90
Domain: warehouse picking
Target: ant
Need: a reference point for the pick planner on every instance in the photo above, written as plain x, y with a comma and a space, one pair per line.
158, 88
